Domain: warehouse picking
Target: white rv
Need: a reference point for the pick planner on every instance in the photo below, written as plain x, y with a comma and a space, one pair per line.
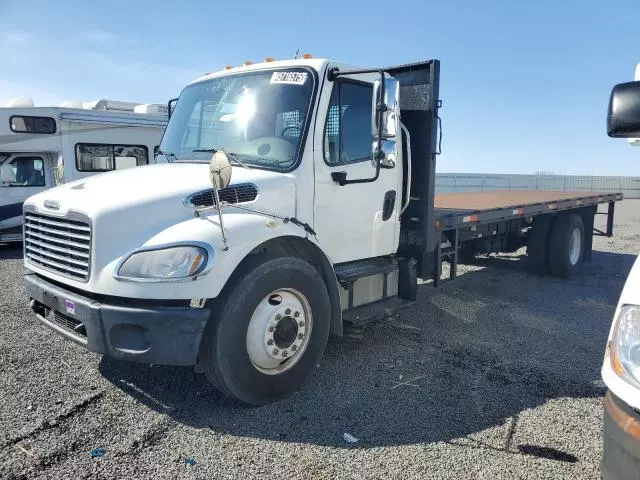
41, 147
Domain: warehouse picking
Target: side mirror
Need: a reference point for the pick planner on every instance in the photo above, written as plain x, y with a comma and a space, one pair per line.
623, 119
385, 121
385, 103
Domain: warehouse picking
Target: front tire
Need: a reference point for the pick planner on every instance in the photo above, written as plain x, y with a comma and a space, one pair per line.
269, 331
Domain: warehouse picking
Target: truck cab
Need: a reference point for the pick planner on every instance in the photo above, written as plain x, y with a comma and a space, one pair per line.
245, 281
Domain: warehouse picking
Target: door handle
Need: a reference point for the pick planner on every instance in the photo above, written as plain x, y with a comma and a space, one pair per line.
388, 204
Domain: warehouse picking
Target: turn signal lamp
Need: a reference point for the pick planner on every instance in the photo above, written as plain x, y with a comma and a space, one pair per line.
268, 59
308, 56
228, 67
248, 62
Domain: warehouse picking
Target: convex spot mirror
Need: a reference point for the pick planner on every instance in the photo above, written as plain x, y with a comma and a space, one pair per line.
386, 154
220, 170
623, 118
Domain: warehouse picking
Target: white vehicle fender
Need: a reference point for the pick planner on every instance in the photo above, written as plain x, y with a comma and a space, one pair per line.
247, 232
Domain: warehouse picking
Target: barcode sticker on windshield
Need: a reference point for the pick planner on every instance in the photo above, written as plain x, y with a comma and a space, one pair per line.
289, 78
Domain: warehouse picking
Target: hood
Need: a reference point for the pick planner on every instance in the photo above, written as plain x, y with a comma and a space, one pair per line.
163, 185
127, 208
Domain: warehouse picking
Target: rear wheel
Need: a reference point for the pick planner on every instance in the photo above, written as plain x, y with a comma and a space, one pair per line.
269, 332
566, 245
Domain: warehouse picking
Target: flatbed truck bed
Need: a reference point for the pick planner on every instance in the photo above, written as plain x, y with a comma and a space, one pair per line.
460, 208
470, 223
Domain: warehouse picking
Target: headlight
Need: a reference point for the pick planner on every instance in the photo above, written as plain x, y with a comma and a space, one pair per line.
625, 347
172, 263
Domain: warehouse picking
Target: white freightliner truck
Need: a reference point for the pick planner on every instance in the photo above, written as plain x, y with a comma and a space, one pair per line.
621, 365
328, 216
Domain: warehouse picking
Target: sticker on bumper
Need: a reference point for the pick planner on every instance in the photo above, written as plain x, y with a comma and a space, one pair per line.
70, 307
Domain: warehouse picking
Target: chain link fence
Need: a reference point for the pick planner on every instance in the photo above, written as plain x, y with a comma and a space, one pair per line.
470, 182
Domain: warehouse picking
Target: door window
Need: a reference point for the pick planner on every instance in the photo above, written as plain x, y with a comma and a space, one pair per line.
23, 172
347, 136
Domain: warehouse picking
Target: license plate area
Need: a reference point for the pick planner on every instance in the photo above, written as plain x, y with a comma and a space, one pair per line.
66, 322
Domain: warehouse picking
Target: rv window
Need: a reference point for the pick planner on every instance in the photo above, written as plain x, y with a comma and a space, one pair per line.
25, 124
23, 172
97, 157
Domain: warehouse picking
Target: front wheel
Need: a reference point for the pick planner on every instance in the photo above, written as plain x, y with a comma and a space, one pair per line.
269, 332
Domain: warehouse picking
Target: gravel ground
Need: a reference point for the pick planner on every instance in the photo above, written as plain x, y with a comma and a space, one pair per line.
501, 372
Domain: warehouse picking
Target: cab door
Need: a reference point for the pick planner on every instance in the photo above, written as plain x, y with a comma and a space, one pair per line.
357, 220
21, 175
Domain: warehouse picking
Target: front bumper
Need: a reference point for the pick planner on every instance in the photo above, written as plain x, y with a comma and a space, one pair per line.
154, 335
621, 455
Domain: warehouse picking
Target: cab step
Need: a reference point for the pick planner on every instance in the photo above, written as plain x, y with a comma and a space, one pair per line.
348, 273
375, 311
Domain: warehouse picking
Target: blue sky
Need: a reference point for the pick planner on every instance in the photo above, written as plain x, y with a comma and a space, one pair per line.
525, 85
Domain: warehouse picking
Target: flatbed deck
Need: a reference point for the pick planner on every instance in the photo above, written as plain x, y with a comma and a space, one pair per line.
457, 209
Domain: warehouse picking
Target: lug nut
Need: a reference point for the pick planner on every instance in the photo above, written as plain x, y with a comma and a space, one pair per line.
300, 336
272, 328
278, 317
269, 342
296, 314
275, 351
287, 311
285, 354
301, 324
294, 347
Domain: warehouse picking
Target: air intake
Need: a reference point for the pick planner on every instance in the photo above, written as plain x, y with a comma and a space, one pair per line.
241, 193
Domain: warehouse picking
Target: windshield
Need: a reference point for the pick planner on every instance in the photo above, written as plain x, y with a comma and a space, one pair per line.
258, 117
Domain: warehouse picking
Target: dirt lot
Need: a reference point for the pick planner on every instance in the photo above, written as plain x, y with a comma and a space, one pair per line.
495, 375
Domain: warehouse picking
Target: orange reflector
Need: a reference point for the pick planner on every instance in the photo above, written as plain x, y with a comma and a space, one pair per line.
307, 56
195, 264
615, 362
228, 67
470, 218
268, 59
437, 224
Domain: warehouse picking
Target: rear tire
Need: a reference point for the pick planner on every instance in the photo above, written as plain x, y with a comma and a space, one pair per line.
255, 318
538, 243
566, 245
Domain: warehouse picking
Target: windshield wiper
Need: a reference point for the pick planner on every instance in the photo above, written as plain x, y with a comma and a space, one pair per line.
167, 155
232, 156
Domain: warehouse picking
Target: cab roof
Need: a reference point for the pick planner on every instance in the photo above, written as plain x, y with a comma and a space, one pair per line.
317, 64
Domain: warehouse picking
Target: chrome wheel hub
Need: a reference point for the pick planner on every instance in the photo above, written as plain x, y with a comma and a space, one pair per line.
575, 246
279, 331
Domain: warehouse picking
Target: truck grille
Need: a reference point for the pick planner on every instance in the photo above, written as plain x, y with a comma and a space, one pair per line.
59, 244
